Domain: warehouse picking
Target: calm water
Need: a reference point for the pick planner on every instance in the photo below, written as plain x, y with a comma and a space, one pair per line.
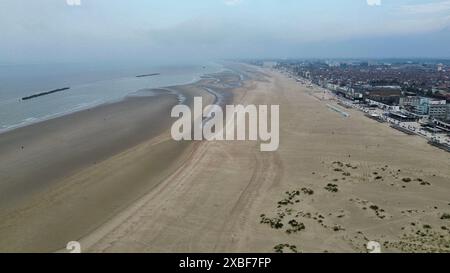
91, 85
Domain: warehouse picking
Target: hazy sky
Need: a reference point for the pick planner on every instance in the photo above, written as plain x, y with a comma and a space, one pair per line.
171, 30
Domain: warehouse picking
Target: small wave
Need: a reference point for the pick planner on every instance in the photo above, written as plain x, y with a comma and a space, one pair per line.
33, 120
25, 122
82, 106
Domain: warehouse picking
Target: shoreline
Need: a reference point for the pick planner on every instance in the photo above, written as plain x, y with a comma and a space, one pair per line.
151, 93
32, 120
86, 106
60, 172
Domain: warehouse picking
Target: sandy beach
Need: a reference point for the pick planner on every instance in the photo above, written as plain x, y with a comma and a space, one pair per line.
114, 180
63, 177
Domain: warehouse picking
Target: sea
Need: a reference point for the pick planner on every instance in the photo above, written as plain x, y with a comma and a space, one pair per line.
90, 85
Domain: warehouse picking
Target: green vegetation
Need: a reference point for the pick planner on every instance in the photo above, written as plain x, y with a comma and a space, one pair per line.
289, 200
332, 188
281, 247
274, 223
445, 216
307, 191
295, 227
337, 228
407, 180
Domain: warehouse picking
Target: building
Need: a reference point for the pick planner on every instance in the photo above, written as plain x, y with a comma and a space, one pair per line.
380, 105
448, 112
422, 106
437, 109
403, 117
346, 91
385, 94
425, 106
269, 64
409, 101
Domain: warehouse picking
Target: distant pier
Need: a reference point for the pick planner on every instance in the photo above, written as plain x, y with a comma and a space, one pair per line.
148, 75
45, 93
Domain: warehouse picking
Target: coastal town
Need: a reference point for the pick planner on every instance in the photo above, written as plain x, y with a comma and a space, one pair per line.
410, 96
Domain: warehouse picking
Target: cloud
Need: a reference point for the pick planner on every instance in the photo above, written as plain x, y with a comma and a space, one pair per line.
73, 2
426, 17
105, 29
429, 8
374, 2
232, 2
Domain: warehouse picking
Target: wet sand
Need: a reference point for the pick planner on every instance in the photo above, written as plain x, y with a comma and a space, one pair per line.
61, 178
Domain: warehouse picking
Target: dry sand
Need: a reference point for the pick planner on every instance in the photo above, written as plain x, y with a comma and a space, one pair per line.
334, 184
